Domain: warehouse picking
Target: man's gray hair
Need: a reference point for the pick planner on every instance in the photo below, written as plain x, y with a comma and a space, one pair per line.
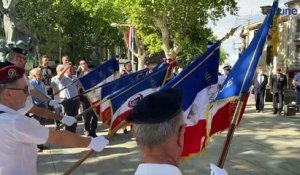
151, 135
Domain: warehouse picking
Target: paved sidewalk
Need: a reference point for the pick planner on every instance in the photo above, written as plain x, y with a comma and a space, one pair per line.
264, 144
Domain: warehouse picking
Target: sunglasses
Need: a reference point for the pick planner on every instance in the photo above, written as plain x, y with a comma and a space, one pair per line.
228, 69
25, 89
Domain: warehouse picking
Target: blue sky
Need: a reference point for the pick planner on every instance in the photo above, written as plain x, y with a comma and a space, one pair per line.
249, 12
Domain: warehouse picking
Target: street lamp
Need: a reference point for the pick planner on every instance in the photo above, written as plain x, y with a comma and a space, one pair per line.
131, 39
119, 25
265, 9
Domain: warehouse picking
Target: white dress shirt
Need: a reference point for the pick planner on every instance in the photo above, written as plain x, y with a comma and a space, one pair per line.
260, 78
221, 79
19, 136
70, 86
157, 169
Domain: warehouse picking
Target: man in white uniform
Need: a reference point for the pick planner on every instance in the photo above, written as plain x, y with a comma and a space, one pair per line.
222, 78
17, 57
159, 129
19, 134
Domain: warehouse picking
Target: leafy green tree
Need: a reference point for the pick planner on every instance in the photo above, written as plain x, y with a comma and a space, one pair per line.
177, 27
61, 25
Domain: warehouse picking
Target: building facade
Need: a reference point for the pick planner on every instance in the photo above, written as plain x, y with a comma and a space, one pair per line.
288, 57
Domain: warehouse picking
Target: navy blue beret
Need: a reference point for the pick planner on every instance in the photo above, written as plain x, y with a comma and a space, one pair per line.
157, 107
19, 50
227, 67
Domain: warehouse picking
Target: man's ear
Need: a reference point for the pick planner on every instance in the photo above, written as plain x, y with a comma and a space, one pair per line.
181, 136
6, 93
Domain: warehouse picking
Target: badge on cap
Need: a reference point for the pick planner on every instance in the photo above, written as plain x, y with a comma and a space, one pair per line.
12, 73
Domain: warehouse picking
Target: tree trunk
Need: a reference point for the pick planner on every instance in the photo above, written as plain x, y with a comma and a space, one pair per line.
141, 52
141, 62
15, 29
169, 52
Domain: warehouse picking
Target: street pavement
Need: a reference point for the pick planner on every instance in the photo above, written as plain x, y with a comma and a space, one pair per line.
263, 144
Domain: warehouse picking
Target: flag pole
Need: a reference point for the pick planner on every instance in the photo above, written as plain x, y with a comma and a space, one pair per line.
90, 152
231, 130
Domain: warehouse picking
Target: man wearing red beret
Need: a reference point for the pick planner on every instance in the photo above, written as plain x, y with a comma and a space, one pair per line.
17, 57
19, 134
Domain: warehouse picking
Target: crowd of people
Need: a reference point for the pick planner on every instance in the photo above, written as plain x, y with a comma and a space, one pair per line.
21, 134
36, 95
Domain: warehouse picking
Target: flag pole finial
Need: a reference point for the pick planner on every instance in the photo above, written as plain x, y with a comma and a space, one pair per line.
230, 33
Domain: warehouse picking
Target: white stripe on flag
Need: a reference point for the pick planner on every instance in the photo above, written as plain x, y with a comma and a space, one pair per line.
95, 95
197, 109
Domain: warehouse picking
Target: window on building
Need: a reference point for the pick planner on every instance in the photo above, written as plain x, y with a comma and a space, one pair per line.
298, 25
297, 49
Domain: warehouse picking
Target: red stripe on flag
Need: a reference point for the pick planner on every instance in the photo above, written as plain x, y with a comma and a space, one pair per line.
96, 107
222, 119
194, 137
128, 35
115, 125
106, 115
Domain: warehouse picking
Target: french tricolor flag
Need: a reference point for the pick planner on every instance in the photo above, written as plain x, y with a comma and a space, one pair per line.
198, 83
115, 86
121, 103
102, 74
130, 38
238, 82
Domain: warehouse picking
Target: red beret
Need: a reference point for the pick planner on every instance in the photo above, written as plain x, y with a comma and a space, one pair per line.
10, 73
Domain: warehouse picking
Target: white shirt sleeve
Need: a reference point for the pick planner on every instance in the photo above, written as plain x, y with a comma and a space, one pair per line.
28, 130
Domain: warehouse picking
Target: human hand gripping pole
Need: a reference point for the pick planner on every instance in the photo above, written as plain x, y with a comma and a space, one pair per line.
98, 143
68, 120
77, 116
55, 104
215, 170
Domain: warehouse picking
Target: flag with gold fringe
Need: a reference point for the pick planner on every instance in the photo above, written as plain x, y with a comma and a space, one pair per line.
221, 110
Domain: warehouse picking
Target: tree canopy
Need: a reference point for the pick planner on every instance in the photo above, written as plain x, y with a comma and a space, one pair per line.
82, 27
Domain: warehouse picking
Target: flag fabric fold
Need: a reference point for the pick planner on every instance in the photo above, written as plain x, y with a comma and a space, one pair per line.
239, 80
115, 86
130, 38
120, 104
102, 74
198, 83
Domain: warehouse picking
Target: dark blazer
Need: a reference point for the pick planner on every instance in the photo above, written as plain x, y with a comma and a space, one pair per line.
278, 85
260, 86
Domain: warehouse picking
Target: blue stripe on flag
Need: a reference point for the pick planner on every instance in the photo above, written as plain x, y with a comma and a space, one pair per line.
153, 80
202, 73
99, 74
121, 82
240, 78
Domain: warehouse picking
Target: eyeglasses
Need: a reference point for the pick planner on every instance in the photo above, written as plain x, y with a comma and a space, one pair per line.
25, 89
